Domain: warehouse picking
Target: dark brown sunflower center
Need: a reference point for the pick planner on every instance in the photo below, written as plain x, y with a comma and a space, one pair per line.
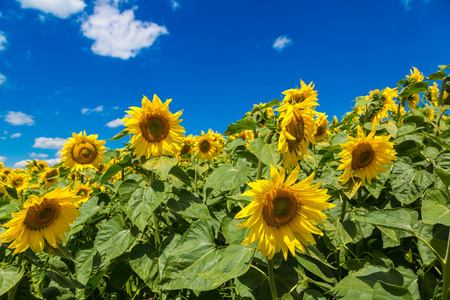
185, 149
18, 182
296, 128
280, 209
82, 193
321, 130
51, 174
297, 98
205, 146
84, 153
42, 215
154, 128
362, 156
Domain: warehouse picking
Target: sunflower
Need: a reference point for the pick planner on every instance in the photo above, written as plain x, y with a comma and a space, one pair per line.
187, 147
283, 214
415, 76
43, 219
413, 100
84, 191
156, 131
433, 92
83, 151
321, 127
382, 104
206, 147
244, 135
49, 177
299, 95
18, 180
367, 156
297, 127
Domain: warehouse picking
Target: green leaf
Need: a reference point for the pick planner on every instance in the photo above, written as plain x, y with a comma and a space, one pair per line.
240, 125
386, 291
340, 138
437, 76
10, 275
407, 183
266, 153
125, 190
161, 165
12, 192
360, 284
345, 233
443, 67
112, 240
232, 232
361, 101
434, 207
313, 295
235, 262
395, 218
416, 88
376, 186
443, 174
87, 209
189, 206
144, 261
438, 140
180, 174
194, 253
316, 267
60, 273
143, 202
7, 210
427, 256
227, 177
120, 135
85, 260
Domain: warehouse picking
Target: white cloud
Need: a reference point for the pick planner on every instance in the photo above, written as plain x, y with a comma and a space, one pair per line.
281, 42
59, 8
117, 122
20, 164
19, 118
2, 79
2, 158
175, 4
118, 34
116, 107
38, 155
52, 161
15, 135
2, 40
86, 111
48, 143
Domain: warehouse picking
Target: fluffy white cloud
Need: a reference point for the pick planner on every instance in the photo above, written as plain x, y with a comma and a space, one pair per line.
59, 8
2, 158
15, 135
86, 111
48, 143
117, 122
38, 155
281, 42
19, 118
20, 164
52, 161
118, 34
175, 4
2, 40
2, 79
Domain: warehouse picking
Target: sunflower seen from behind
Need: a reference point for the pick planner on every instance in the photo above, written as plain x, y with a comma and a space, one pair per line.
43, 220
366, 157
83, 151
156, 131
283, 214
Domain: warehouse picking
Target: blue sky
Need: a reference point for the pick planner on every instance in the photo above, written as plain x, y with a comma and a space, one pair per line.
73, 65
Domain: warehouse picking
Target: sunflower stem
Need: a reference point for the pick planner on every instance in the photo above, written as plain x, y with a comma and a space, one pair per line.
440, 104
195, 176
273, 288
343, 209
12, 291
151, 179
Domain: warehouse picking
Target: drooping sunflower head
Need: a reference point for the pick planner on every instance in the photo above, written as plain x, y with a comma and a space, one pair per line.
366, 156
49, 177
321, 127
206, 147
43, 220
83, 151
413, 100
18, 180
83, 191
283, 214
156, 131
305, 93
296, 132
415, 75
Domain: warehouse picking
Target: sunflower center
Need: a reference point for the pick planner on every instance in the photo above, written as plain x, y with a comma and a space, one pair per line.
297, 98
205, 146
280, 208
321, 130
42, 215
51, 174
82, 193
362, 156
185, 149
296, 128
155, 129
84, 153
18, 182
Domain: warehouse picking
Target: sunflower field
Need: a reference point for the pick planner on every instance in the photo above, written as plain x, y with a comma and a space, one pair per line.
283, 205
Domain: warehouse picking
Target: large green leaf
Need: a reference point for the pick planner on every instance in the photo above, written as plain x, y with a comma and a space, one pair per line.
434, 207
144, 261
125, 190
239, 126
445, 143
266, 153
60, 273
235, 262
143, 202
189, 206
232, 232
87, 209
194, 253
443, 174
408, 184
316, 267
386, 291
396, 218
161, 165
10, 275
227, 177
87, 259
